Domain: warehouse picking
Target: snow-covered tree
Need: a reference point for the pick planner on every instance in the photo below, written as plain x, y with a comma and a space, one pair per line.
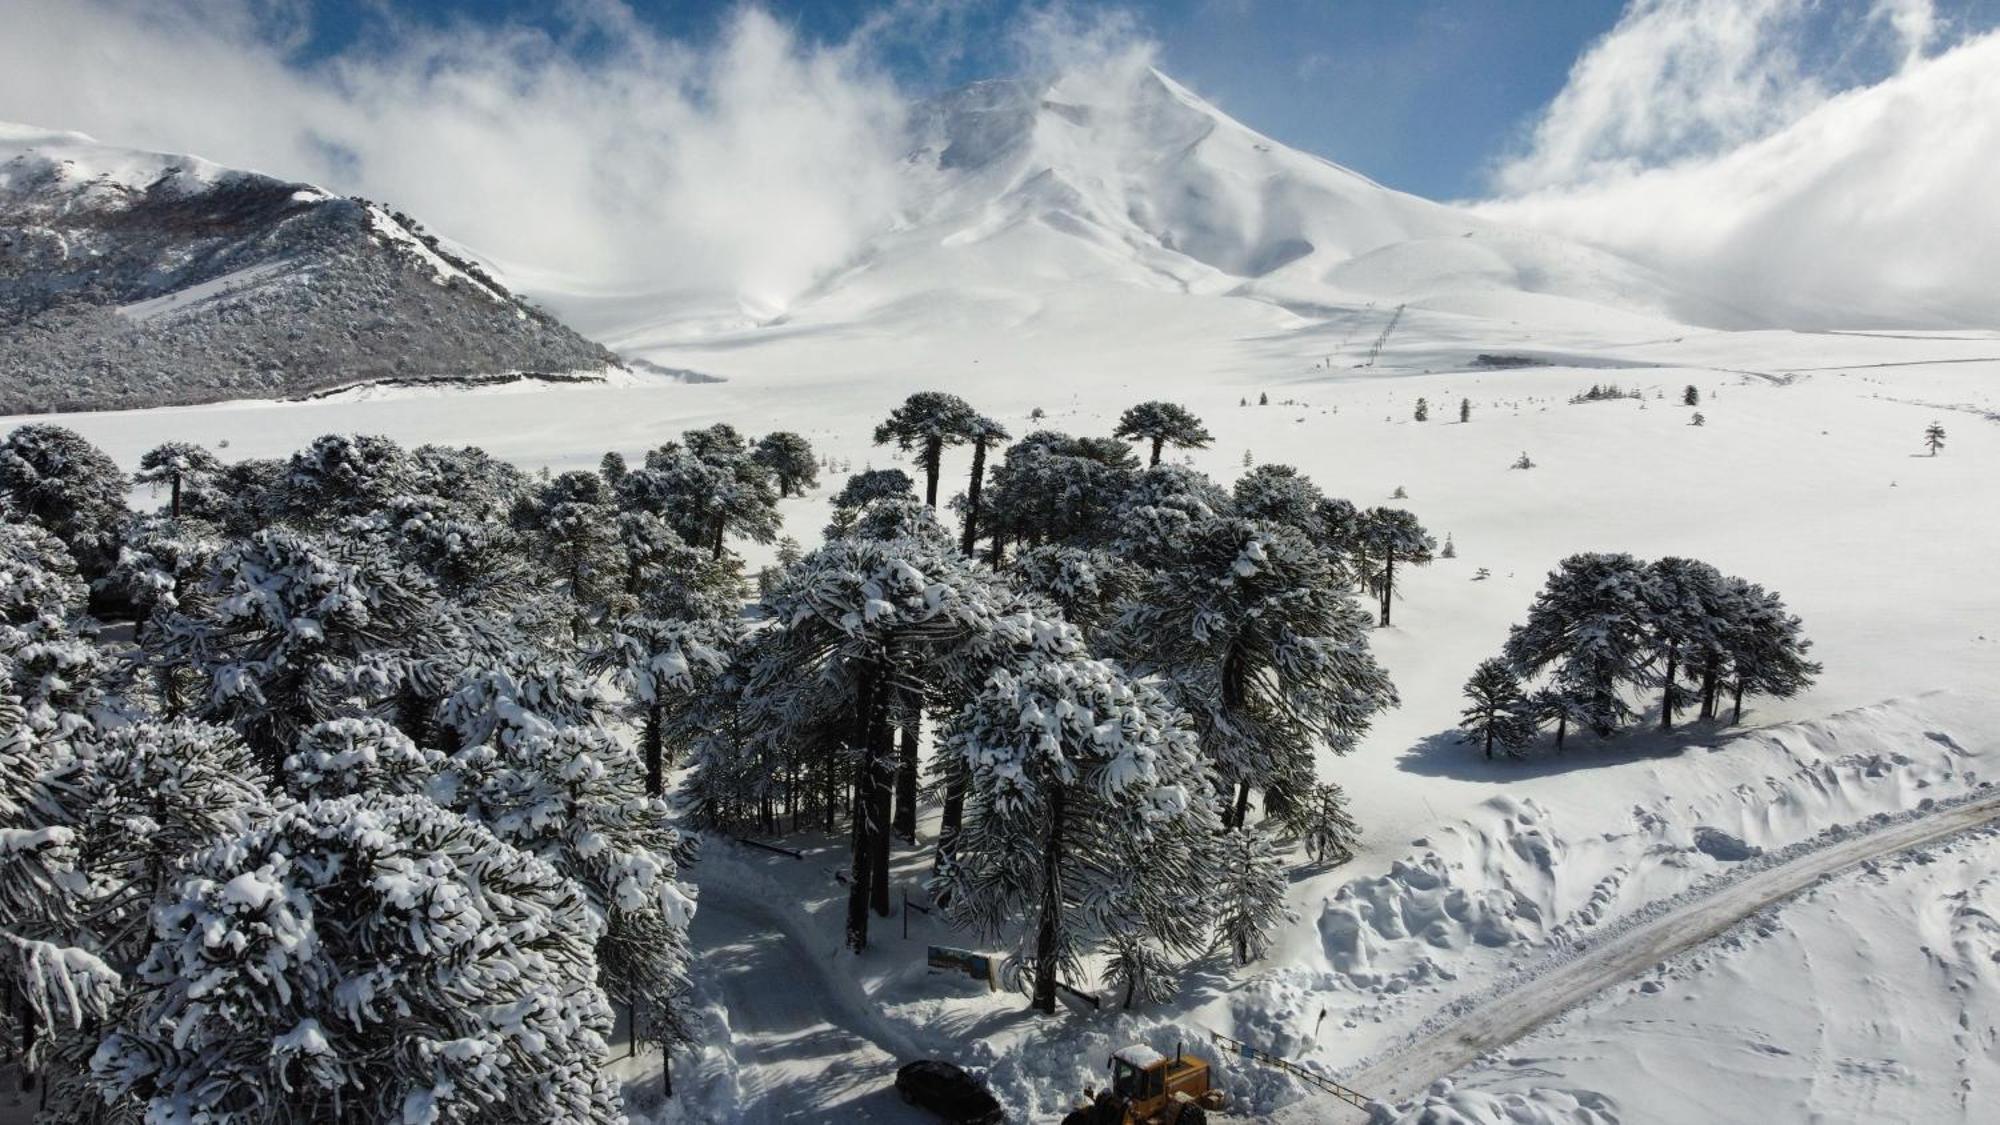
298, 629
981, 433
1250, 899
1496, 710
788, 457
1465, 410
1934, 438
1054, 488
1691, 396
1157, 513
1318, 819
1277, 493
38, 577
1250, 632
1088, 818
707, 490
663, 665
343, 475
1766, 646
69, 487
56, 983
1684, 613
1423, 411
612, 467
1087, 584
926, 423
863, 489
191, 474
572, 520
367, 958
577, 798
1394, 536
1588, 627
1162, 424
361, 755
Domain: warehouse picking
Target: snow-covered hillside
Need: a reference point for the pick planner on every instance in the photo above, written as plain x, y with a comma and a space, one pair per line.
1026, 195
134, 278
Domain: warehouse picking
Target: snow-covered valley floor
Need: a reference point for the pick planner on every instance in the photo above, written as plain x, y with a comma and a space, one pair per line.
1871, 996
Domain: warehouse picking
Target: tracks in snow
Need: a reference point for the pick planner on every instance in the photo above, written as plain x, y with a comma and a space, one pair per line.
1512, 1012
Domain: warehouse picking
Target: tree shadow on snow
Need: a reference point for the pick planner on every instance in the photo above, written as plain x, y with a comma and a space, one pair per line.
1447, 754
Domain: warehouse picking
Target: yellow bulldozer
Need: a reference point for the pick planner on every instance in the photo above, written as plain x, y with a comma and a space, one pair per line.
1148, 1088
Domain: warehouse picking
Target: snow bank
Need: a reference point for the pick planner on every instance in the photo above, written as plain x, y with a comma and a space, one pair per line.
1521, 875
1444, 1105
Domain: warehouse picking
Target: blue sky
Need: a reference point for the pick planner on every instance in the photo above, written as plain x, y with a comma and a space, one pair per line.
1420, 94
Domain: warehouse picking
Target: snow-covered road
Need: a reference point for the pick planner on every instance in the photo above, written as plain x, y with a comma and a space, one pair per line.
804, 1057
1541, 994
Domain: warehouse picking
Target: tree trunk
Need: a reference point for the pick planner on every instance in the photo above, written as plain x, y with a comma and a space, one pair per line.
933, 457
1708, 683
1158, 441
860, 870
1239, 809
954, 815
972, 496
881, 786
906, 767
1489, 740
1562, 728
653, 739
999, 553
1667, 694
1045, 941
721, 525
1388, 584
174, 497
1737, 717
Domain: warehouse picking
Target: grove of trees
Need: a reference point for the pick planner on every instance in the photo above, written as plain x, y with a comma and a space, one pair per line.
1607, 626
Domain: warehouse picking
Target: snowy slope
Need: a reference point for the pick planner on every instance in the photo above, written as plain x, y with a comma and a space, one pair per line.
1024, 197
131, 278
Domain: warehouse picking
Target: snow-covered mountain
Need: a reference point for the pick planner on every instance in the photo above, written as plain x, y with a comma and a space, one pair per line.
135, 278
1019, 191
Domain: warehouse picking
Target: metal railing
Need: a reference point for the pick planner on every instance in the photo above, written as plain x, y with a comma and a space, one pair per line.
1316, 1080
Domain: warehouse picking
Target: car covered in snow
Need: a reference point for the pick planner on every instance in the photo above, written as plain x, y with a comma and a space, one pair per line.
949, 1092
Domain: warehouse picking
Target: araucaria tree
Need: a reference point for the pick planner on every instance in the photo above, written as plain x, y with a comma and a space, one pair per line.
189, 472
1589, 623
1691, 396
367, 959
926, 423
1465, 410
1391, 536
1247, 628
68, 486
788, 457
1496, 711
1162, 424
1423, 412
1607, 622
1934, 438
1088, 818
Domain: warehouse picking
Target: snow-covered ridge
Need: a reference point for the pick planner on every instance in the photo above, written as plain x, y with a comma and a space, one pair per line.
175, 279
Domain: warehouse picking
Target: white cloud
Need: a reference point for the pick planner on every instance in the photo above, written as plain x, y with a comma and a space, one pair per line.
1691, 138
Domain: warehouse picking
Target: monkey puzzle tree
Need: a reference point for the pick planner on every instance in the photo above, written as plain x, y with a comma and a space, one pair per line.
188, 470
1088, 816
1249, 631
926, 423
1162, 424
788, 457
1393, 536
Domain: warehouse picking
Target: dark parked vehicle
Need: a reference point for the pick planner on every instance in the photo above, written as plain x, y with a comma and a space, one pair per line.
947, 1091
